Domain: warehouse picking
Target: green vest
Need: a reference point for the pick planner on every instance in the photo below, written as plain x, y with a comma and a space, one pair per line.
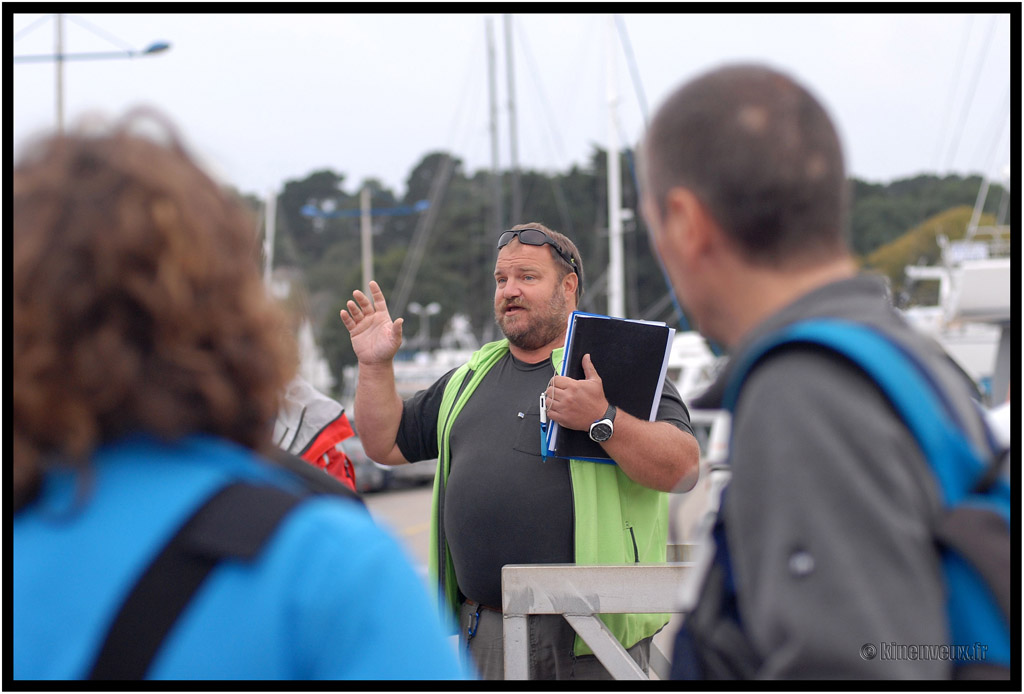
616, 520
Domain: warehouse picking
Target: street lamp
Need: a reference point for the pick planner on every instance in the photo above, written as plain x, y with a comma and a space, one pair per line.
152, 49
59, 56
424, 312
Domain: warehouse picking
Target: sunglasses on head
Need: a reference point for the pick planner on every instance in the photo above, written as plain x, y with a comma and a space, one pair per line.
536, 237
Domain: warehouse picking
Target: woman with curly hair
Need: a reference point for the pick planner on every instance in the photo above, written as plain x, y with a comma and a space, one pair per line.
148, 363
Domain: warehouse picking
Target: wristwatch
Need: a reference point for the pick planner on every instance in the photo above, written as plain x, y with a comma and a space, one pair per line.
602, 429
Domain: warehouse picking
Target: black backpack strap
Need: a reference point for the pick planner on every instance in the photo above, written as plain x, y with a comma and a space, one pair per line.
235, 522
313, 478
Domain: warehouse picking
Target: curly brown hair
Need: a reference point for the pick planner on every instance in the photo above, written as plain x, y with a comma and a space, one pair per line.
138, 301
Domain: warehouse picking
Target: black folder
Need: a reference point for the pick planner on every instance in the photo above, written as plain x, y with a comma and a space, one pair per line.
630, 356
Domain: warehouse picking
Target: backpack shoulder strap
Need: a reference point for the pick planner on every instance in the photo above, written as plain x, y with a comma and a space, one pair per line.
974, 531
235, 522
908, 385
317, 480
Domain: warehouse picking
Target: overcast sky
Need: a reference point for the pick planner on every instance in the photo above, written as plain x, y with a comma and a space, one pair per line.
266, 98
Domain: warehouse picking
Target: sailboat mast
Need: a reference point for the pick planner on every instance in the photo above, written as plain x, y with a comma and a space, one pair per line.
270, 226
517, 197
366, 236
497, 222
59, 43
979, 205
616, 283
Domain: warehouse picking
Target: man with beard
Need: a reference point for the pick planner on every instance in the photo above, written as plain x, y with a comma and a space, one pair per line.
496, 500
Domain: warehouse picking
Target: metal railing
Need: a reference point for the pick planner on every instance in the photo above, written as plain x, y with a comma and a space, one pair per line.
579, 594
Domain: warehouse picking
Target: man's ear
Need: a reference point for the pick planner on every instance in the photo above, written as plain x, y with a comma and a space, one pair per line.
687, 220
569, 284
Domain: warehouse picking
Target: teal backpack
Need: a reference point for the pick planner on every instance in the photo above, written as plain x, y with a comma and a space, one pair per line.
973, 536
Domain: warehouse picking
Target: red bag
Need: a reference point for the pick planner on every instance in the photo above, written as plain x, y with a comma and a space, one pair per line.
325, 451
312, 426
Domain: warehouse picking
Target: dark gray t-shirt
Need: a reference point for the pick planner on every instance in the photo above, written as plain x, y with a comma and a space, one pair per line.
504, 504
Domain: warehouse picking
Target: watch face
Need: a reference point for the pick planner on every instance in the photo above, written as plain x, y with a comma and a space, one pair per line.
602, 431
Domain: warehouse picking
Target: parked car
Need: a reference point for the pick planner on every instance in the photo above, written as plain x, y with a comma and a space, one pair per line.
371, 476
413, 474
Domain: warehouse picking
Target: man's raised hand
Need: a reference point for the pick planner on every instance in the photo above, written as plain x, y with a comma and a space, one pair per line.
375, 337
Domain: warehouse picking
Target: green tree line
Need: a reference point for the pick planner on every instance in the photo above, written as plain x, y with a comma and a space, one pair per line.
458, 248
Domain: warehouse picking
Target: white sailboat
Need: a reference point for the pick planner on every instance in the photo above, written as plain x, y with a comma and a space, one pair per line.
972, 318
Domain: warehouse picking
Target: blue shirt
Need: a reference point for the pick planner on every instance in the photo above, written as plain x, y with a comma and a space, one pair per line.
331, 596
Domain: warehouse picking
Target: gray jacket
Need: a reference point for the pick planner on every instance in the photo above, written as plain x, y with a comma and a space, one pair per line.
828, 512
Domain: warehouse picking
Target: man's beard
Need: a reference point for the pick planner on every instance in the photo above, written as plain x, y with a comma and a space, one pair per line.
541, 327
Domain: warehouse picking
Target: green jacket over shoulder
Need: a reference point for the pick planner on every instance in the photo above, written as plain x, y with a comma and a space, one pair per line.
616, 520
